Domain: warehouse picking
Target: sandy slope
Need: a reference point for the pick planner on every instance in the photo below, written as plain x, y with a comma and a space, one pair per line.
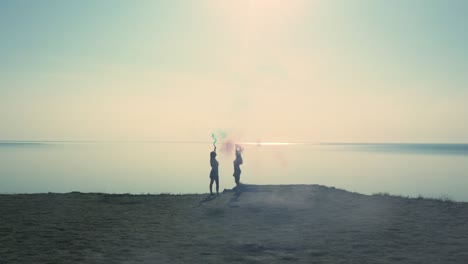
261, 224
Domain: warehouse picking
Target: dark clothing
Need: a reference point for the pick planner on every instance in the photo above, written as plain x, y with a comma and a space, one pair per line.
237, 179
214, 176
214, 169
237, 170
216, 180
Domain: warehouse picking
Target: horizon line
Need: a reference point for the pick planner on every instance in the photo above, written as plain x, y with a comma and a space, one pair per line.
232, 142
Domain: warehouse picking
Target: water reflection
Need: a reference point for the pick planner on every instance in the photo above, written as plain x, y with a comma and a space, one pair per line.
420, 148
155, 167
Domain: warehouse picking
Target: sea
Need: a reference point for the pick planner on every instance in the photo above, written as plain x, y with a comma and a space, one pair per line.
152, 167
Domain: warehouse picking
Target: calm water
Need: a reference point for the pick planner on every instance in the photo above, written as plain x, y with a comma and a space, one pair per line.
431, 170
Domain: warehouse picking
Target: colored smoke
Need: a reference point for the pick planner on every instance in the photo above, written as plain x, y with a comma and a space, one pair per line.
214, 140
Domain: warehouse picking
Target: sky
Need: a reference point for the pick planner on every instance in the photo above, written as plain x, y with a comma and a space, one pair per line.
258, 70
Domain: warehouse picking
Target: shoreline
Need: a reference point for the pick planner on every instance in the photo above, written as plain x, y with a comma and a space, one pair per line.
441, 198
255, 224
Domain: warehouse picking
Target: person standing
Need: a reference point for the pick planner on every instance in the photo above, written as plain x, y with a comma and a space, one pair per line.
237, 163
214, 177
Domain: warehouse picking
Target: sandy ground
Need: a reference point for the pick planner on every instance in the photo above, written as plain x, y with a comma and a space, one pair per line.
259, 224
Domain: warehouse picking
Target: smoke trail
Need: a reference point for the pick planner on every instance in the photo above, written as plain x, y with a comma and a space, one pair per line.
214, 140
218, 135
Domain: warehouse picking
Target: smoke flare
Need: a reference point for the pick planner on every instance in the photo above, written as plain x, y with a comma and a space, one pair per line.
214, 140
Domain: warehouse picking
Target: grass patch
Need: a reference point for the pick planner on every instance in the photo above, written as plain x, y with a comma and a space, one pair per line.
443, 198
381, 194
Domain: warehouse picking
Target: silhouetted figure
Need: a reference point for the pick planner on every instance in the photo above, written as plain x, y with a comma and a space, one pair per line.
237, 163
214, 177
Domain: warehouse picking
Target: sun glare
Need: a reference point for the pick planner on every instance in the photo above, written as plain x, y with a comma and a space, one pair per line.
270, 143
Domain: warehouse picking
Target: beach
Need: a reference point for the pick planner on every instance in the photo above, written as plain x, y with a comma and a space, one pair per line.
252, 224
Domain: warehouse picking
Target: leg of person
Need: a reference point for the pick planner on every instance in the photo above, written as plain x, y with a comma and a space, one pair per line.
236, 179
217, 185
211, 185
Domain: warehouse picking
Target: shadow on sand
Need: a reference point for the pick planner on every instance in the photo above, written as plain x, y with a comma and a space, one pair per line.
209, 198
238, 190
